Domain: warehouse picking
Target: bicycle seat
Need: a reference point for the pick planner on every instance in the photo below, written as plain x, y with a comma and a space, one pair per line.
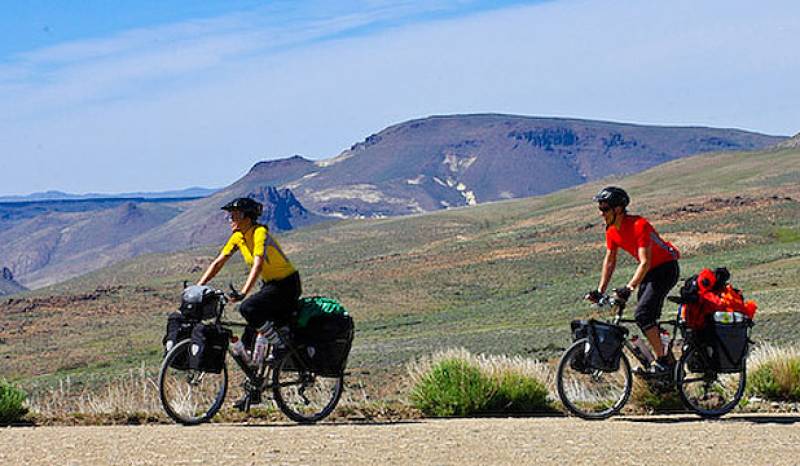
677, 300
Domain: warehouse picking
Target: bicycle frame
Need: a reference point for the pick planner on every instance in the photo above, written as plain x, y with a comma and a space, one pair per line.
619, 307
259, 375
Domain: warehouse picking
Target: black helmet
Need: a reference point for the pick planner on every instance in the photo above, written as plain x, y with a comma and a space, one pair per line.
613, 196
249, 207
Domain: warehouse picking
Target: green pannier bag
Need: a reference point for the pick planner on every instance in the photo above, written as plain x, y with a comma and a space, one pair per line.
316, 306
325, 331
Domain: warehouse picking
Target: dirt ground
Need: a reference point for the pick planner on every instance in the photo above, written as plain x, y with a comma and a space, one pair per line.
742, 439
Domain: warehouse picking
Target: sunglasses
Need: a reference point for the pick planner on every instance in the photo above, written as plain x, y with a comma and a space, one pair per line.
604, 209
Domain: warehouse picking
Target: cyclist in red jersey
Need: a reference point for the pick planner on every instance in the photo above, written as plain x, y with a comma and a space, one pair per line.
656, 274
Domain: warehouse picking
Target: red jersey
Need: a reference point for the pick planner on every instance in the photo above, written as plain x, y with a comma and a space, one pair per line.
636, 232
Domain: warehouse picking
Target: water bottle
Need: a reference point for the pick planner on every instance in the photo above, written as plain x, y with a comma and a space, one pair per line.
723, 317
642, 348
239, 350
260, 348
664, 341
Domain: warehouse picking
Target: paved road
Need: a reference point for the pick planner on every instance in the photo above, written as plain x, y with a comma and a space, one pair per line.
673, 440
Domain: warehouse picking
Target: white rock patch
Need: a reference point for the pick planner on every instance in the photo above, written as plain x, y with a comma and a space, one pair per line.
456, 163
417, 180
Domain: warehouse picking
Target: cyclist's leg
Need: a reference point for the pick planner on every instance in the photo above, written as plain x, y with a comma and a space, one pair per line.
273, 304
652, 292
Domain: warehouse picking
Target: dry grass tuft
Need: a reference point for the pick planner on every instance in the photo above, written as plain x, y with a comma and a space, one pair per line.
775, 372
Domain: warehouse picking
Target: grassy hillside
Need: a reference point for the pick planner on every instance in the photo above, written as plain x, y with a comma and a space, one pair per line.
500, 278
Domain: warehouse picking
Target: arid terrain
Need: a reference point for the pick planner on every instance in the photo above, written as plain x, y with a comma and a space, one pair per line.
683, 439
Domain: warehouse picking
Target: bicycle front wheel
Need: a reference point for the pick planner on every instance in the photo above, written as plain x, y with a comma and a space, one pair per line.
189, 396
302, 395
703, 390
589, 393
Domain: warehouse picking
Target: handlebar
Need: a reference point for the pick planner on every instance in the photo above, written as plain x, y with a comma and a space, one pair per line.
612, 302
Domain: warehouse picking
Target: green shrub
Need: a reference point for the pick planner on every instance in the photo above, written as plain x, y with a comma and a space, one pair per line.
466, 385
776, 379
517, 393
453, 387
12, 400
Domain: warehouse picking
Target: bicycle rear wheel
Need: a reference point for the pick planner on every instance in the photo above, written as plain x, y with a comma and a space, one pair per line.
188, 396
704, 391
302, 395
591, 394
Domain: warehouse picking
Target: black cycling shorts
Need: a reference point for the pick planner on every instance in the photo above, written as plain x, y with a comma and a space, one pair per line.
652, 291
276, 301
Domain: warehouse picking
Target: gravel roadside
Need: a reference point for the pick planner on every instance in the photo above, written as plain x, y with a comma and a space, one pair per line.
743, 439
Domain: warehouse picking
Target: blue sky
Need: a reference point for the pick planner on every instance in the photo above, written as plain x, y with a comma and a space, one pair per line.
114, 96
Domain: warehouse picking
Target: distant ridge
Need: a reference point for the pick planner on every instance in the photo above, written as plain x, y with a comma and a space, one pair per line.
194, 192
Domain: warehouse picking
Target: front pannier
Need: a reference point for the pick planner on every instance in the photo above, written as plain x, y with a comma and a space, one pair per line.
178, 329
605, 343
199, 303
727, 345
208, 348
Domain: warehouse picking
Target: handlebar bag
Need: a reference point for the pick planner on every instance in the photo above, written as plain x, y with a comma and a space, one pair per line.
208, 348
199, 303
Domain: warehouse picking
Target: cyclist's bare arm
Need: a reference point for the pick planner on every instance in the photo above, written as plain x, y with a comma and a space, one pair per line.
213, 269
255, 272
645, 255
609, 264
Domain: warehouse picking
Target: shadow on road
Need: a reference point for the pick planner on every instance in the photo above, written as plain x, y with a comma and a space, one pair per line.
754, 419
353, 423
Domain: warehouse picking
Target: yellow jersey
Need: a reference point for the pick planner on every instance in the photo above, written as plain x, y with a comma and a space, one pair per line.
258, 242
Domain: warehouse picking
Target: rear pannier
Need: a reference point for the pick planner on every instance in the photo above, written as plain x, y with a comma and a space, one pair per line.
199, 303
605, 344
325, 331
208, 348
727, 345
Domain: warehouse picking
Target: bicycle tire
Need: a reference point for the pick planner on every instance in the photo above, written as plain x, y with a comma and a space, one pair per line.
185, 393
570, 385
723, 381
290, 399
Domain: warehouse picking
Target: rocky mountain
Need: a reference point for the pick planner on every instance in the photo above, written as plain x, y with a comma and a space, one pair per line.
446, 161
790, 143
417, 166
57, 245
7, 283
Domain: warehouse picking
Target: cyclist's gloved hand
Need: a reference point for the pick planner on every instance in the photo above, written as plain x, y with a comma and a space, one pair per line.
593, 296
623, 293
234, 295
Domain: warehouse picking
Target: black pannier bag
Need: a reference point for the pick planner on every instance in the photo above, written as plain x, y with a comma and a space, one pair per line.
726, 345
606, 343
199, 302
325, 343
208, 348
179, 328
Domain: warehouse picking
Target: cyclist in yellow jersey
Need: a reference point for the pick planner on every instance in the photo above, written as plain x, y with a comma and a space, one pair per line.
272, 305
